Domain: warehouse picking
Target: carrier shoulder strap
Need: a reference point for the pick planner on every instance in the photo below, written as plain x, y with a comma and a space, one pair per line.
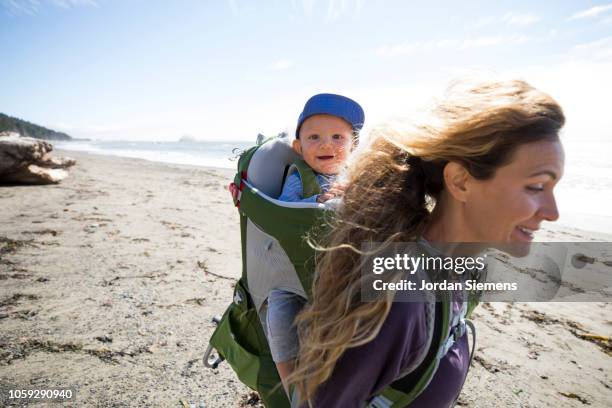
310, 185
405, 390
446, 331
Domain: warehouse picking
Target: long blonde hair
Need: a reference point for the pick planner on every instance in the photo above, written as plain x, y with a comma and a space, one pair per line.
391, 189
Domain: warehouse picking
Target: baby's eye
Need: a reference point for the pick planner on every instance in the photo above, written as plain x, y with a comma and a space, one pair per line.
338, 137
313, 137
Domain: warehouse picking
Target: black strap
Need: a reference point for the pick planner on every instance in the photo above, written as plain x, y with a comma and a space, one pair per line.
285, 174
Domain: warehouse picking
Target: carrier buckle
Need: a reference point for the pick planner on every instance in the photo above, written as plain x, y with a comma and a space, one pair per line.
455, 334
211, 360
459, 330
380, 401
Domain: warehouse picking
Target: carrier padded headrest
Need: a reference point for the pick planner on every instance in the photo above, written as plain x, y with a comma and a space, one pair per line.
267, 166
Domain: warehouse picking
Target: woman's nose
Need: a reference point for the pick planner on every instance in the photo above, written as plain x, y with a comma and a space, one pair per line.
549, 210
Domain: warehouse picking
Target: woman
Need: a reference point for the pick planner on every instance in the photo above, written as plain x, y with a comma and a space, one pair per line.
483, 170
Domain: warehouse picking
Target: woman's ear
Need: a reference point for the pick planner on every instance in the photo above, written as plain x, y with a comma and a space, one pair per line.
297, 146
456, 178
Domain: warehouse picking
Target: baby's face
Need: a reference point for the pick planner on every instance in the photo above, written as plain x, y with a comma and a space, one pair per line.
325, 143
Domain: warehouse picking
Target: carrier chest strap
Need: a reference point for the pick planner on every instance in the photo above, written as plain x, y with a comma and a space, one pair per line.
458, 329
456, 333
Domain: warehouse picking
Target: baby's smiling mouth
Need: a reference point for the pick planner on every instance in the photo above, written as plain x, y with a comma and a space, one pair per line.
325, 157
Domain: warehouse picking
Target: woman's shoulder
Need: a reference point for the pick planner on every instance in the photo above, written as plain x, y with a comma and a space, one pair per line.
366, 370
408, 320
412, 321
404, 335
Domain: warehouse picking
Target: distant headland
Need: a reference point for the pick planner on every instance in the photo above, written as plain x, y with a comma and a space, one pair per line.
27, 129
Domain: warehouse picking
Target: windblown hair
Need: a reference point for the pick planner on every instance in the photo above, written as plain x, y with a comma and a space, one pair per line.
391, 189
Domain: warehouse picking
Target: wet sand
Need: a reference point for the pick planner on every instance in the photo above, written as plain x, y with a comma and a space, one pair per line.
109, 280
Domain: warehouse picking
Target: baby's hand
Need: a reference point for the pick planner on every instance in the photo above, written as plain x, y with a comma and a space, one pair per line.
234, 190
336, 190
324, 197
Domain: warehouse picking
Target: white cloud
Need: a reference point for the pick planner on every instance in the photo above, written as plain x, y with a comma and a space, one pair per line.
399, 49
33, 7
359, 6
336, 9
233, 6
17, 7
579, 82
493, 41
307, 6
74, 3
520, 19
281, 64
241, 8
578, 85
592, 12
424, 46
249, 115
597, 51
511, 18
484, 21
333, 9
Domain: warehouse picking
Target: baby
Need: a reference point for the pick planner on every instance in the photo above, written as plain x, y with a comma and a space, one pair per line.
327, 130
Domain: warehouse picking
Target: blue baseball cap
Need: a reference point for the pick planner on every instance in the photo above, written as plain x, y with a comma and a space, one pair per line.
335, 105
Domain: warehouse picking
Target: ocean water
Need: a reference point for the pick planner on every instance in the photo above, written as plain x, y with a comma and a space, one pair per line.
584, 195
197, 153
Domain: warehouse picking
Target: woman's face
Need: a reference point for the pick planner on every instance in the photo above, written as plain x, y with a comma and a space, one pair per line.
510, 206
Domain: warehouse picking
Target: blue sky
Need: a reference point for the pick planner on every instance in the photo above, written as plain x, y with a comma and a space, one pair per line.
157, 70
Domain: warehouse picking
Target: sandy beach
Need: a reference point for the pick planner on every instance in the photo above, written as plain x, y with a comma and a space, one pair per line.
109, 280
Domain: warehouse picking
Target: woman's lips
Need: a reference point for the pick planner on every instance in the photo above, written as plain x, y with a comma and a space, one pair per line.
525, 233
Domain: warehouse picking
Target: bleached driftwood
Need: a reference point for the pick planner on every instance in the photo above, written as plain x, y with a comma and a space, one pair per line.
25, 160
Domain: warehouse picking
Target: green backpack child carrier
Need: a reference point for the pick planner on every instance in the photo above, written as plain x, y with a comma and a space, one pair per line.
275, 255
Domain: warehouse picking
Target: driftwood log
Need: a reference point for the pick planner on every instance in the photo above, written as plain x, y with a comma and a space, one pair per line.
25, 160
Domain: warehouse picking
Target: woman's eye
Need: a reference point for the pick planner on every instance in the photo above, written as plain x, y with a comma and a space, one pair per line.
535, 188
